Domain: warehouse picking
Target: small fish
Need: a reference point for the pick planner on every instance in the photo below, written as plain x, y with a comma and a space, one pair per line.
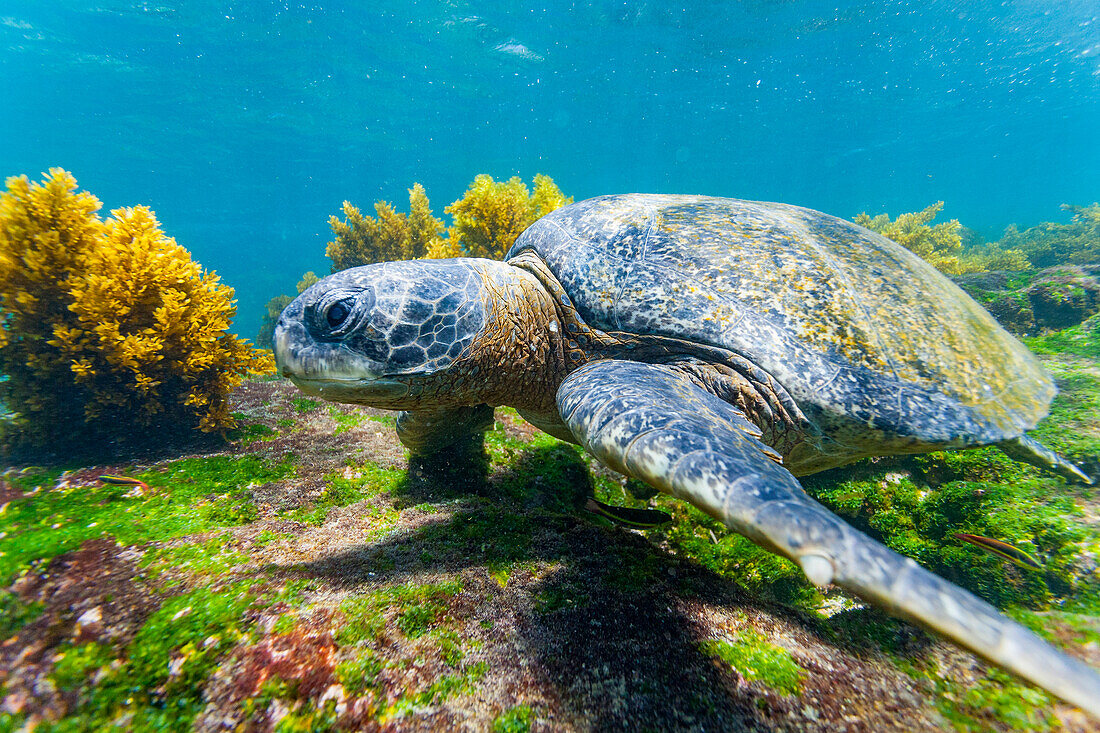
1003, 549
125, 481
638, 518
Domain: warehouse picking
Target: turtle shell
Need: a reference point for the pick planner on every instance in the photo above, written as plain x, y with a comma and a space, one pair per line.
874, 344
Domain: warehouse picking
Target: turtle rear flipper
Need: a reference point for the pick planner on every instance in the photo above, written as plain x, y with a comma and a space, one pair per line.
652, 422
1029, 450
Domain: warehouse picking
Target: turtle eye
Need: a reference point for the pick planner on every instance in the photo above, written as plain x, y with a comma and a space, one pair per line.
337, 313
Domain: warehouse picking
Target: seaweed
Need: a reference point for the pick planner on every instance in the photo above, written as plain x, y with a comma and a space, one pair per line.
1054, 243
489, 217
390, 235
942, 245
110, 331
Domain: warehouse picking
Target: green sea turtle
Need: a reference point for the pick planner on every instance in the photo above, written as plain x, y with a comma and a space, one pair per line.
715, 349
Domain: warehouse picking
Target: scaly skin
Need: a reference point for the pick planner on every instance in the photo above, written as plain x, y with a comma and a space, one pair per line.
520, 358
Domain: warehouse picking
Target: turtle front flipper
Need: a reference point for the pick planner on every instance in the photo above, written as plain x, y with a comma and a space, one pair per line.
428, 431
652, 422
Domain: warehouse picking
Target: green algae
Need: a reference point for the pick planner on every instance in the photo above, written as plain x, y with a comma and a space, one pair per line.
755, 658
304, 404
556, 598
417, 608
452, 647
444, 688
309, 720
871, 628
266, 537
15, 613
979, 492
196, 627
351, 486
995, 696
10, 723
188, 496
467, 533
76, 663
632, 570
1080, 340
157, 681
694, 535
697, 536
516, 719
303, 718
359, 674
245, 433
346, 418
1078, 627
285, 624
1073, 428
196, 559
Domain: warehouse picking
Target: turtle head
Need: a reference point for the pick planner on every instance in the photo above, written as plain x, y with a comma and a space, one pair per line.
385, 334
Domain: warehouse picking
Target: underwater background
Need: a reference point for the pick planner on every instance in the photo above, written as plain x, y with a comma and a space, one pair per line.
244, 125
187, 542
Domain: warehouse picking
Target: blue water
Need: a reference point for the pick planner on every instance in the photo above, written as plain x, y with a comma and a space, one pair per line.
244, 125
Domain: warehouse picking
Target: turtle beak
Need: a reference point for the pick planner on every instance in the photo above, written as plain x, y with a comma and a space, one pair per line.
329, 371
290, 336
301, 359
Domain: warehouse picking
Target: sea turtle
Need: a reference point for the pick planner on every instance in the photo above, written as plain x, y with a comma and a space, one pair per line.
715, 349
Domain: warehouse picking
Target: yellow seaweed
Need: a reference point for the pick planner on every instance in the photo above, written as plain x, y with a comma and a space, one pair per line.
489, 217
942, 245
109, 327
390, 235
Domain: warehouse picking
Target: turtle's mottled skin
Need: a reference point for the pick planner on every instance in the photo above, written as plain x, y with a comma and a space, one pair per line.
713, 348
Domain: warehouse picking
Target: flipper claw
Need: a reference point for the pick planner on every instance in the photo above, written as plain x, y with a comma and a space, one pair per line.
818, 568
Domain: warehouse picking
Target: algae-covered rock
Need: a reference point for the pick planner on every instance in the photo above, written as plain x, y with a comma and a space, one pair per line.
1027, 303
1065, 295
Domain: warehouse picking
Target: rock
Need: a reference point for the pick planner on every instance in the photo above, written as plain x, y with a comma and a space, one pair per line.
1051, 299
